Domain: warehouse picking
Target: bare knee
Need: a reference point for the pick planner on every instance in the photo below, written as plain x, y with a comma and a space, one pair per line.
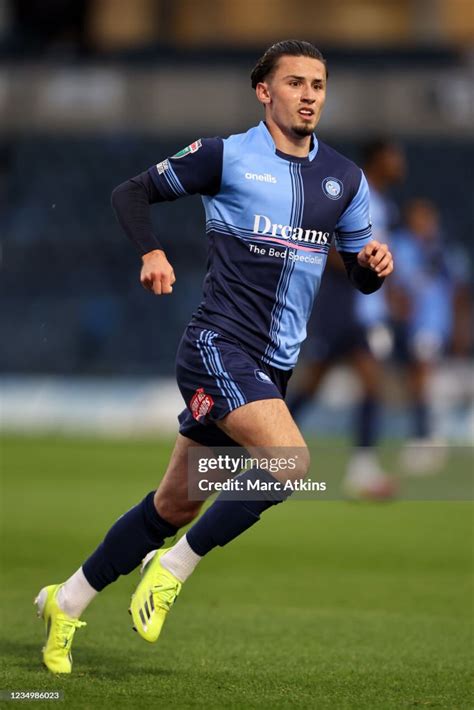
290, 464
174, 510
302, 464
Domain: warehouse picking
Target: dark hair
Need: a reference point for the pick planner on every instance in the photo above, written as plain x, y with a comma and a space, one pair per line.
292, 47
373, 148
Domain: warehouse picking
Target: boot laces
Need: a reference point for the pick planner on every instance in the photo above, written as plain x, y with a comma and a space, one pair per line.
66, 630
164, 594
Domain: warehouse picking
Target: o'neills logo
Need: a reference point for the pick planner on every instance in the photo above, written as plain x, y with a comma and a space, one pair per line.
264, 225
261, 177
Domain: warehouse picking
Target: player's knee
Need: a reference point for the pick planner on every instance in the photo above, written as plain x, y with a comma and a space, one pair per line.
304, 462
180, 518
175, 511
297, 465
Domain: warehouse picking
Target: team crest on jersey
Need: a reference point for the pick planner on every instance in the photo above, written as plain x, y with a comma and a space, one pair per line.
200, 404
262, 376
193, 148
332, 188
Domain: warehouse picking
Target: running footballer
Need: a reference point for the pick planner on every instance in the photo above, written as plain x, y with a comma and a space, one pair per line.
275, 198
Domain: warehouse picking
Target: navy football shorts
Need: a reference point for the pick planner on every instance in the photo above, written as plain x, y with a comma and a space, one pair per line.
216, 375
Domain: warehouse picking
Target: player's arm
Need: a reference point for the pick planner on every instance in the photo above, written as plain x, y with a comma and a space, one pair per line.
372, 264
131, 202
367, 261
196, 169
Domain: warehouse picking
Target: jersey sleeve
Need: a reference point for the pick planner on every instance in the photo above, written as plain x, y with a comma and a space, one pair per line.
196, 169
354, 230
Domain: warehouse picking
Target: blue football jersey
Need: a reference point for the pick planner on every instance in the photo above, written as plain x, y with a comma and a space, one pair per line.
270, 220
372, 309
428, 274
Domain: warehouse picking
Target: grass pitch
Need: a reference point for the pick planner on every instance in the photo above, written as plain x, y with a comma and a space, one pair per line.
325, 605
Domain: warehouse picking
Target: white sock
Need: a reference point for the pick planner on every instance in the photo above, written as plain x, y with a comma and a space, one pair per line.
76, 594
363, 467
180, 559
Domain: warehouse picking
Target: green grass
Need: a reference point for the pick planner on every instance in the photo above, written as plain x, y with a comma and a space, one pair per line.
325, 605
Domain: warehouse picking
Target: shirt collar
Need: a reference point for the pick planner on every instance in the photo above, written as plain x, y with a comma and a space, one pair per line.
267, 137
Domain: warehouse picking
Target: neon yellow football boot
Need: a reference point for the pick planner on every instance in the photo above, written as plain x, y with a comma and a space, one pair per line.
153, 598
60, 630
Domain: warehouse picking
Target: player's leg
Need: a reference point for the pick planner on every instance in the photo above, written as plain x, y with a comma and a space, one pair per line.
424, 454
171, 497
309, 380
261, 427
419, 373
364, 476
232, 399
264, 423
138, 531
417, 352
265, 429
415, 370
368, 371
141, 529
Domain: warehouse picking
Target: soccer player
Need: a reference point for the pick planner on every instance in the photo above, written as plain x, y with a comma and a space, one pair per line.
428, 296
347, 325
274, 197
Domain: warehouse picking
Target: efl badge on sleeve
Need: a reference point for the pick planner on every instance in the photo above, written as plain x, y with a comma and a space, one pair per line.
201, 404
193, 148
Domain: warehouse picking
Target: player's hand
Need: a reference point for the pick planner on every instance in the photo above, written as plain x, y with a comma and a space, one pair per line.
157, 274
377, 257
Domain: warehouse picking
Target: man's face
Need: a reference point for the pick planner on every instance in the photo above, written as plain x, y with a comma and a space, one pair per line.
423, 220
391, 164
294, 94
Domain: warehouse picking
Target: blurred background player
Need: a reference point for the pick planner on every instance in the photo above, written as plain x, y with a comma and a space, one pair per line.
429, 306
343, 327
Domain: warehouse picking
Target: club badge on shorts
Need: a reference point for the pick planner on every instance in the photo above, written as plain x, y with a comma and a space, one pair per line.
200, 404
262, 376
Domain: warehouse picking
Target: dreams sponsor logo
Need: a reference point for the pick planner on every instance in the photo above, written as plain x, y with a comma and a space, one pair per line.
263, 225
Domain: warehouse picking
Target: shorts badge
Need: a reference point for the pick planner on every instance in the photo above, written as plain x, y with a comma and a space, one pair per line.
201, 404
262, 376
